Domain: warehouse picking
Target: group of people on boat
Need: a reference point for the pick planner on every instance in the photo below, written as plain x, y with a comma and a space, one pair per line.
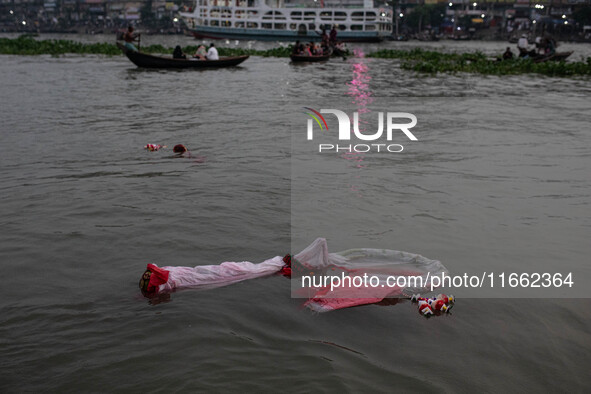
130, 38
310, 49
200, 54
328, 45
544, 46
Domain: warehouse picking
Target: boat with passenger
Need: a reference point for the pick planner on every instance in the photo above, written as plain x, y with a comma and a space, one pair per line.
553, 57
146, 60
288, 20
309, 59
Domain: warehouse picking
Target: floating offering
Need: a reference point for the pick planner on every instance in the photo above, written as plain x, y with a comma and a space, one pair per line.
434, 305
329, 281
180, 149
424, 308
154, 147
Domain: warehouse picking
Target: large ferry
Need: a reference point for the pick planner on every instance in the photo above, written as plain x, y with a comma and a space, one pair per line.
288, 20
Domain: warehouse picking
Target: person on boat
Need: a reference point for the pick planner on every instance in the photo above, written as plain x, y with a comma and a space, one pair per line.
307, 50
522, 45
297, 48
212, 53
550, 46
333, 35
539, 47
313, 49
339, 49
316, 49
178, 53
508, 55
130, 37
324, 49
201, 53
325, 38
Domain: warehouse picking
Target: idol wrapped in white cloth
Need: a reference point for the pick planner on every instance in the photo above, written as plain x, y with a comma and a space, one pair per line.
312, 272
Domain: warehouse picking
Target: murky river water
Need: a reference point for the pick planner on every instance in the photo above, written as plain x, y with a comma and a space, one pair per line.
499, 180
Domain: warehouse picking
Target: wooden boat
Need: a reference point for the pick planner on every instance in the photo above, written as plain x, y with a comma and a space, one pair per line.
150, 61
556, 57
304, 58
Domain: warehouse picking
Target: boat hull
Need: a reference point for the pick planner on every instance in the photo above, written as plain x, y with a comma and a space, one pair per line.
218, 33
556, 57
302, 58
150, 61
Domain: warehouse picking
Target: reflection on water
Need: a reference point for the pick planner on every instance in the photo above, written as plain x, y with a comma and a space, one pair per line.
358, 89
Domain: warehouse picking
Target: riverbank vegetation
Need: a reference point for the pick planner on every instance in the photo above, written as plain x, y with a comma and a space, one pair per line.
425, 61
418, 60
28, 45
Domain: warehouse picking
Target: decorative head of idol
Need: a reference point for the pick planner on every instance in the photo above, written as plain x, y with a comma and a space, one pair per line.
145, 281
180, 149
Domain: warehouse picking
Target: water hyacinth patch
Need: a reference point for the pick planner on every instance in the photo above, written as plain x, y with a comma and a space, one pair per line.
417, 59
432, 62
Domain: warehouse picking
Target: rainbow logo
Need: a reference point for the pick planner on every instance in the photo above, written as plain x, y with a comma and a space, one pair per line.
316, 115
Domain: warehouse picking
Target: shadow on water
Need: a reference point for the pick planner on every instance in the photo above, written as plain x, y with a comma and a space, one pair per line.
134, 72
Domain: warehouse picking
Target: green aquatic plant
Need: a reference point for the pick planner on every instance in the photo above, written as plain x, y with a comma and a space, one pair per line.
497, 67
432, 62
27, 45
426, 55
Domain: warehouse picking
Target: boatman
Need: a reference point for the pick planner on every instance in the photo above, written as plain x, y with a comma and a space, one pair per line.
333, 35
130, 37
212, 53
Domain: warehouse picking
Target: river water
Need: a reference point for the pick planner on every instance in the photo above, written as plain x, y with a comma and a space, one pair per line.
499, 181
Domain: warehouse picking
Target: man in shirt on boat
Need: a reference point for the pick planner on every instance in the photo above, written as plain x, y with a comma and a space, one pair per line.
130, 37
212, 53
522, 45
